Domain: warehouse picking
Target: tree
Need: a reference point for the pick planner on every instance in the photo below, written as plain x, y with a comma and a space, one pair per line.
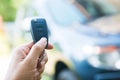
7, 10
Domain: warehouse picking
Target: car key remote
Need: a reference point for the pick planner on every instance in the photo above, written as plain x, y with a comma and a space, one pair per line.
39, 29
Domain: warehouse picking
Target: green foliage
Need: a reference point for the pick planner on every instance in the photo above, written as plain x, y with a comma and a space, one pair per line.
7, 11
18, 3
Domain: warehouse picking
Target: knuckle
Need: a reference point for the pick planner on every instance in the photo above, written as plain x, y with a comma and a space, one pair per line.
18, 49
46, 59
42, 69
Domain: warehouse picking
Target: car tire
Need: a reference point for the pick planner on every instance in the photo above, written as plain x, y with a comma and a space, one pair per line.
67, 75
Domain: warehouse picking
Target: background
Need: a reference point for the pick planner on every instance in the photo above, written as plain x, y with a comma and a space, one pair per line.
79, 29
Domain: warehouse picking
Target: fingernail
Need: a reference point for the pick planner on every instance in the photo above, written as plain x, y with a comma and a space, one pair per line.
43, 41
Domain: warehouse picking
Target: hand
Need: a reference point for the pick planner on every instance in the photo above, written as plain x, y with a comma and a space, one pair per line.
28, 61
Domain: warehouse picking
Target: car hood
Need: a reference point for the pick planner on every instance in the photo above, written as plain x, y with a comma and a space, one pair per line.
107, 24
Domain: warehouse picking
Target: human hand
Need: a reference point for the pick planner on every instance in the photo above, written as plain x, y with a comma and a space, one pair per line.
28, 61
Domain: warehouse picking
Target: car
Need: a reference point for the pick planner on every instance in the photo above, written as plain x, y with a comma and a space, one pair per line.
82, 50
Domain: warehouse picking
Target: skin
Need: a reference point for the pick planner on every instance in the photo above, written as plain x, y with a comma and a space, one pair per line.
28, 61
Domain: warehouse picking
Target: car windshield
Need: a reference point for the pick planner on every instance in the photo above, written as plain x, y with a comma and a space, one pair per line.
98, 8
65, 13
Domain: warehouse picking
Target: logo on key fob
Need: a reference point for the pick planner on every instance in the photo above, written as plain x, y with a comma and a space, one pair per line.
39, 29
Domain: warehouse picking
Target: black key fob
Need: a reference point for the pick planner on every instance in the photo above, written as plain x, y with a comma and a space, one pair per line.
39, 29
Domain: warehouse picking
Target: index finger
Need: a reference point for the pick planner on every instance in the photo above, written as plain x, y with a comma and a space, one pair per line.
50, 46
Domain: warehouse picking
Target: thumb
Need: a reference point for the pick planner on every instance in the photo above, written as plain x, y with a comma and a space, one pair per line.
37, 49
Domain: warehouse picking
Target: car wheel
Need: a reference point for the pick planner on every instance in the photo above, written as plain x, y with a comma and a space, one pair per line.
67, 75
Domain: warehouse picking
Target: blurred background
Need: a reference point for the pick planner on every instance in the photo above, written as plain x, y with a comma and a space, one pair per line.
85, 35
